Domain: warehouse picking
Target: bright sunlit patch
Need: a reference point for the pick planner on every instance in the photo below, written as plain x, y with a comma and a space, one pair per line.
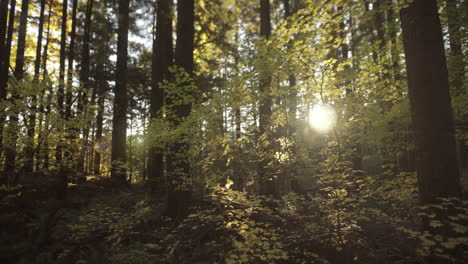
322, 118
99, 147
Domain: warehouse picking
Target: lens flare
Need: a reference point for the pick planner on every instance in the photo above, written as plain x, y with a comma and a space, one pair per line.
322, 118
99, 147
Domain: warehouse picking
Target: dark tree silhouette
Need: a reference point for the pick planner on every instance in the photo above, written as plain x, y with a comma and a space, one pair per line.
436, 163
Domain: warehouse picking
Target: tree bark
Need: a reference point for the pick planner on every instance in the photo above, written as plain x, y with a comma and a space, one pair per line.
436, 163
119, 120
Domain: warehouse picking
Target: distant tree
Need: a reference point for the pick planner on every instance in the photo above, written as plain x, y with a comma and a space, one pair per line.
436, 164
119, 119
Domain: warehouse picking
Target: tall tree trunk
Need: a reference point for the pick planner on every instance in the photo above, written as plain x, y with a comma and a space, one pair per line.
178, 167
267, 183
71, 58
61, 92
43, 151
10, 157
69, 93
29, 151
119, 119
3, 30
162, 60
101, 96
436, 164
3, 63
84, 80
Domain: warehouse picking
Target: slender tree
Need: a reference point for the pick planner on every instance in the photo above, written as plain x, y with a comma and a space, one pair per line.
102, 87
119, 119
162, 60
30, 151
3, 29
10, 157
61, 80
69, 85
44, 106
3, 63
428, 83
84, 80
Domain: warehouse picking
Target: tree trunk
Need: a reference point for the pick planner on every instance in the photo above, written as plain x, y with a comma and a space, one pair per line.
119, 120
101, 79
267, 183
178, 166
3, 62
61, 81
84, 80
43, 151
10, 157
436, 164
3, 30
71, 135
162, 60
29, 151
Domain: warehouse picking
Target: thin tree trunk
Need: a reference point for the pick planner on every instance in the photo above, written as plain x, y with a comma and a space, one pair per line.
3, 63
71, 135
43, 147
30, 152
10, 161
61, 92
101, 93
119, 119
84, 79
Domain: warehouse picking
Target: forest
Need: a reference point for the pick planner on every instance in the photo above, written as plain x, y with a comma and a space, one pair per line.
234, 131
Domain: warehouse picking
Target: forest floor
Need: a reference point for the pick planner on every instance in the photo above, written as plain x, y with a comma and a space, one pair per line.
101, 224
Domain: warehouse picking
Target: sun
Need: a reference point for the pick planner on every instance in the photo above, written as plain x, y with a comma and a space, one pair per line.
322, 118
